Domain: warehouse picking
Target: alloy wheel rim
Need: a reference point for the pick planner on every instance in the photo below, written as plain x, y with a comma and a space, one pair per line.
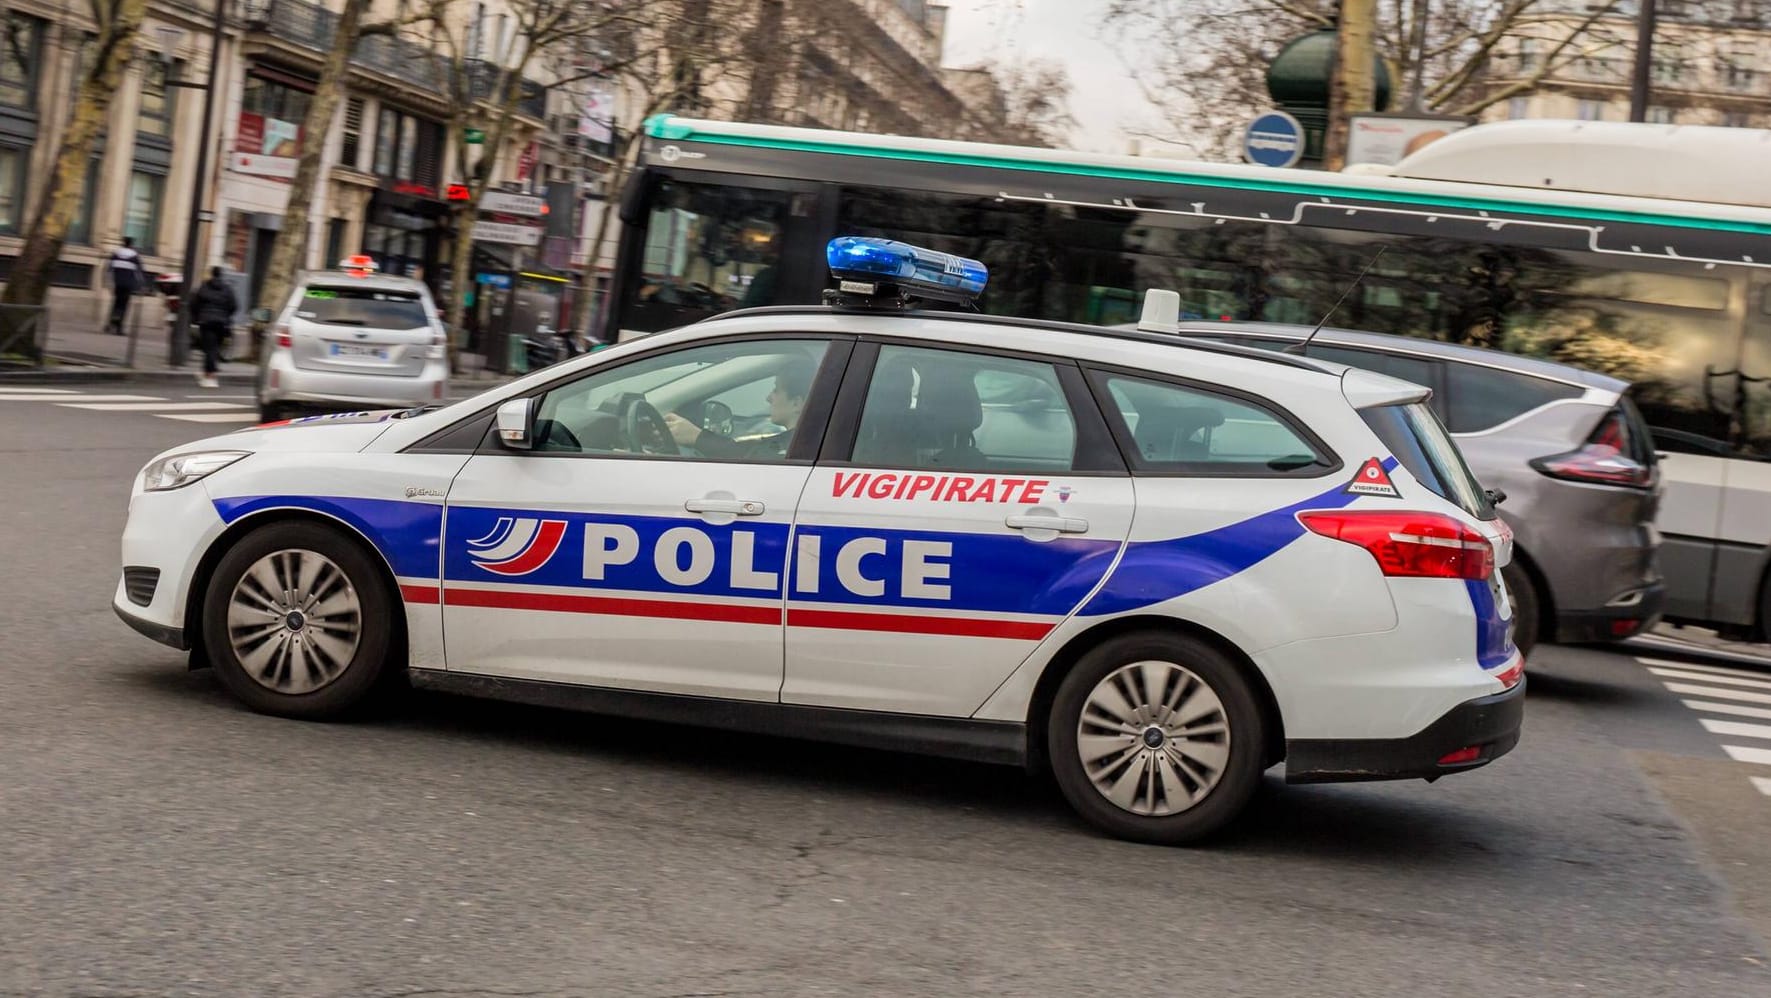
294, 621
1153, 738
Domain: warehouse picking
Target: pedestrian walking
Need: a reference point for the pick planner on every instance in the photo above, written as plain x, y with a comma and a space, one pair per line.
212, 307
128, 278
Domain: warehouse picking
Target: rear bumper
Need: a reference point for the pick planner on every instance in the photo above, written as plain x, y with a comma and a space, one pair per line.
1613, 623
284, 382
1491, 723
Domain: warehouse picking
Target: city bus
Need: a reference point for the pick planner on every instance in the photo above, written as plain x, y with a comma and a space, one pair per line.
1643, 252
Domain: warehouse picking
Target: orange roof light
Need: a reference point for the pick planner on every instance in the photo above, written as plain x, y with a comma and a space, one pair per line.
360, 265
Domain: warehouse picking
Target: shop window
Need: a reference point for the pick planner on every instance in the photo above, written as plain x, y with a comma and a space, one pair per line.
80, 230
13, 163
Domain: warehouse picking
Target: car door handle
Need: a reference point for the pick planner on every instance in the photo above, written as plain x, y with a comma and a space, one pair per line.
735, 507
1062, 524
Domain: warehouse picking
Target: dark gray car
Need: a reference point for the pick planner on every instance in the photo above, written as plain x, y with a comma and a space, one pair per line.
1566, 446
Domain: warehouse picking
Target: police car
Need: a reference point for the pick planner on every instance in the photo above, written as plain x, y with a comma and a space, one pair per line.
1156, 566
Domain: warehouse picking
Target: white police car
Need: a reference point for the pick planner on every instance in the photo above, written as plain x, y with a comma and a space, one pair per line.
1157, 566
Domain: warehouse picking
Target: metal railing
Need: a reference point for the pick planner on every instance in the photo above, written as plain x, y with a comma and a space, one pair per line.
313, 26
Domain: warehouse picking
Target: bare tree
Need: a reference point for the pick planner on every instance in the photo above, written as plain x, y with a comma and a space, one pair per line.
290, 244
1036, 103
118, 23
708, 57
1448, 54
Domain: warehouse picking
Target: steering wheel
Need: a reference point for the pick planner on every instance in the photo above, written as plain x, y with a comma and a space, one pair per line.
644, 427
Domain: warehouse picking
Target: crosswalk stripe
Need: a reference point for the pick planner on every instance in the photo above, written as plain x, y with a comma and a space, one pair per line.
1715, 670
214, 417
1740, 753
1704, 677
70, 397
1763, 783
1719, 693
1738, 729
36, 391
150, 406
1738, 710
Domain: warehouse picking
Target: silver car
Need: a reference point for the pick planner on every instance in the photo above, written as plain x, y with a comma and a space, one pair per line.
354, 339
1567, 449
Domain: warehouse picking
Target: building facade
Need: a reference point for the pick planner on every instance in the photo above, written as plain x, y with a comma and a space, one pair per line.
1710, 65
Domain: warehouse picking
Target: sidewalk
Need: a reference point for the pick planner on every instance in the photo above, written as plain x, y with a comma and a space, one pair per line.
79, 349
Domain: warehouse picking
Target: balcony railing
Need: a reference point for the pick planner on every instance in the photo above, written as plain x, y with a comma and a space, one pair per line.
311, 26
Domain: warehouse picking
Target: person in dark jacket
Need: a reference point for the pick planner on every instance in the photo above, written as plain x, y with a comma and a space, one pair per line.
212, 308
128, 279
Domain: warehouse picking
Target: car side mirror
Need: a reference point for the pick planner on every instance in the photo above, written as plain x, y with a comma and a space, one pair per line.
261, 315
1495, 496
516, 424
716, 417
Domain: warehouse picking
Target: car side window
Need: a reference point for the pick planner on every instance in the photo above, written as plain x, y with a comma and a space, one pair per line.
733, 401
1190, 430
953, 410
1480, 398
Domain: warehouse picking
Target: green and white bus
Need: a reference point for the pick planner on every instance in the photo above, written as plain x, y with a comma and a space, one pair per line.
1639, 251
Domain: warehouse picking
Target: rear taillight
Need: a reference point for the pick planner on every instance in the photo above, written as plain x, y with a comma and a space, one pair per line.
439, 347
1413, 545
284, 340
1602, 460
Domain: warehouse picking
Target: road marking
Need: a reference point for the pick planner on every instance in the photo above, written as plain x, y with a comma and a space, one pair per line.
149, 406
1703, 677
72, 397
1718, 693
1740, 753
1712, 669
36, 391
241, 398
215, 417
1738, 710
1763, 783
1736, 728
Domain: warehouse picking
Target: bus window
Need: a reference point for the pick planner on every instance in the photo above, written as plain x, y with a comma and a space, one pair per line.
708, 249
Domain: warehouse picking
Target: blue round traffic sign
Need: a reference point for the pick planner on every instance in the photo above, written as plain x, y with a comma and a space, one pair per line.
1274, 139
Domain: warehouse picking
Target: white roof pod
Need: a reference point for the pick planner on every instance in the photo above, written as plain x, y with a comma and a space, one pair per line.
1675, 162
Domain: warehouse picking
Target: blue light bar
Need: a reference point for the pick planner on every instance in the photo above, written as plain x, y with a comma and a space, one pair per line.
910, 267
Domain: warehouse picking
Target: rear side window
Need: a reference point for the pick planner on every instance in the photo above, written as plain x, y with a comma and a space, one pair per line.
355, 306
1412, 369
1193, 431
1419, 442
1481, 398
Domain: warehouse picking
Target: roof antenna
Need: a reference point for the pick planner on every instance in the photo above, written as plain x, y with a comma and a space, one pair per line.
1304, 345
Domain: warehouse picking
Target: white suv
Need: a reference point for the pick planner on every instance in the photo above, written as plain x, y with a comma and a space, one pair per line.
351, 338
1157, 566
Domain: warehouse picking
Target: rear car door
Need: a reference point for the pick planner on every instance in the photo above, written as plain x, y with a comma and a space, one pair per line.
344, 326
967, 503
610, 555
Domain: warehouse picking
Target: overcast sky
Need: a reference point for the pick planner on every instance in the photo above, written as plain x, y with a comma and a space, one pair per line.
1103, 98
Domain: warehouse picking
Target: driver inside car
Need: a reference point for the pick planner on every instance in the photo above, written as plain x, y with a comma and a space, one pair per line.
786, 401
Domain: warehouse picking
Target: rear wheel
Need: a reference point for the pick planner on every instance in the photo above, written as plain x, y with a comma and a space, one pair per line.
1156, 738
297, 621
1527, 612
270, 412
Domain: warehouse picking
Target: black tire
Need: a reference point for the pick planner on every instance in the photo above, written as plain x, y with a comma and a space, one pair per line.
270, 412
1527, 610
351, 686
1238, 777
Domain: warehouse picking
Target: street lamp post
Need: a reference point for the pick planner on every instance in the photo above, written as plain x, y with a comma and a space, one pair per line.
181, 327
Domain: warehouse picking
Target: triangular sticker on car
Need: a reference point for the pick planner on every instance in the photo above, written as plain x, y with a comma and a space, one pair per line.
1373, 480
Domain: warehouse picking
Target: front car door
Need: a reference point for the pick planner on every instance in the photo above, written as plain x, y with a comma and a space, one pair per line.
614, 555
967, 503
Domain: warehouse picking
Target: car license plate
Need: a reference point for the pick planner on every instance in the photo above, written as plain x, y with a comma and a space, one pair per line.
358, 350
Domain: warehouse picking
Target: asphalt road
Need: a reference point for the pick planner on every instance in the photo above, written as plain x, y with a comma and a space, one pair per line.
158, 839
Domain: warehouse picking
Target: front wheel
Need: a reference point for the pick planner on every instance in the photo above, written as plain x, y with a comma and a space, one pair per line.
297, 620
1157, 738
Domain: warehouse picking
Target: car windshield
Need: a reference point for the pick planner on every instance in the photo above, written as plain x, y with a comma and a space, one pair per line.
1419, 441
374, 308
